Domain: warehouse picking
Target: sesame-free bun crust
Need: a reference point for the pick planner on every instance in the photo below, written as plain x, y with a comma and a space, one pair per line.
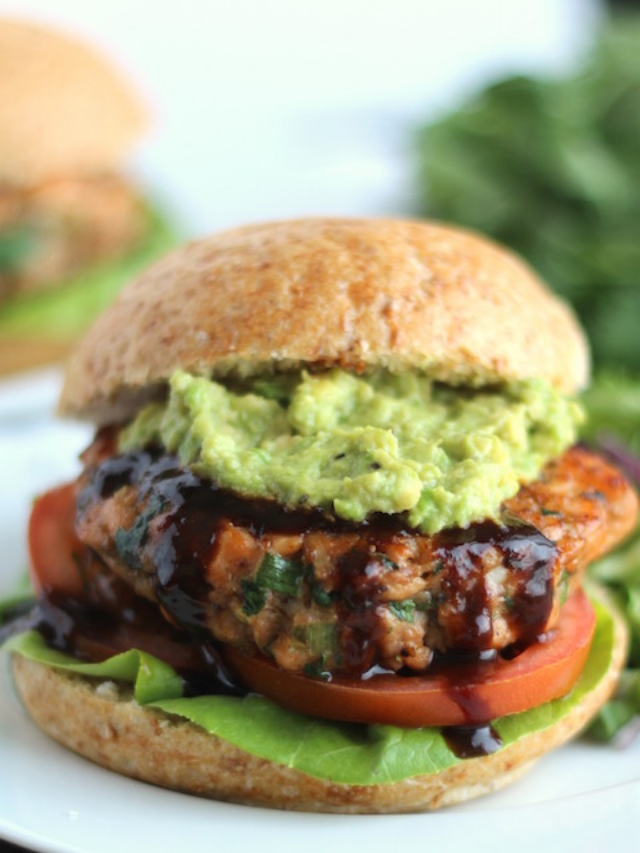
103, 723
356, 293
64, 109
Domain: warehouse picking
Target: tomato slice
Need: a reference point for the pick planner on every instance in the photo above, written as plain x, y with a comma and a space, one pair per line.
458, 695
53, 544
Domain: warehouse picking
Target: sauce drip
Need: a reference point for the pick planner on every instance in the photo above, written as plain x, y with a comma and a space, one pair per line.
359, 588
472, 741
529, 556
189, 511
110, 618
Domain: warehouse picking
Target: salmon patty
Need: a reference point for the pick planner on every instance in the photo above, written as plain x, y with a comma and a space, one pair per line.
320, 595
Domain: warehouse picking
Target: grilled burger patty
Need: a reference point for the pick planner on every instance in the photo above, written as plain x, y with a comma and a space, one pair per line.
317, 594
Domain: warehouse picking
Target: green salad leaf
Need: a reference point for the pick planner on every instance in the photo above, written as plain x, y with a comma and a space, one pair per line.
152, 678
613, 409
340, 752
551, 168
613, 425
620, 572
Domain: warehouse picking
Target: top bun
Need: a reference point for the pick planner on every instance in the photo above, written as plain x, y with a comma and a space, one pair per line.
64, 110
355, 293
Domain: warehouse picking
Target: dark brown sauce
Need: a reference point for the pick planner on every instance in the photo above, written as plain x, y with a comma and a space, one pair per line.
22, 616
154, 472
110, 618
458, 674
190, 509
472, 741
359, 589
529, 556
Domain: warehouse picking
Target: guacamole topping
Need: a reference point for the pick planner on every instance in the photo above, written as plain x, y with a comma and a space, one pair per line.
359, 445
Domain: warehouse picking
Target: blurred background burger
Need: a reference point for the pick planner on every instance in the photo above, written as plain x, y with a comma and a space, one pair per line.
73, 228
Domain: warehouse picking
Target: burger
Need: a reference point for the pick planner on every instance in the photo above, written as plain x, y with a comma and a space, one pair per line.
73, 228
327, 549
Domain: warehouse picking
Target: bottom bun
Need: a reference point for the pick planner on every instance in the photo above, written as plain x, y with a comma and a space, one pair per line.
17, 355
102, 721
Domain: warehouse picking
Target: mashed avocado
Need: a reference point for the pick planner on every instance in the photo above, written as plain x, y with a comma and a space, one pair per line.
356, 445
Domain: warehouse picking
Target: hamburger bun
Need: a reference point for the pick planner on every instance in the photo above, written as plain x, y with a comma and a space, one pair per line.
354, 293
358, 295
56, 88
102, 722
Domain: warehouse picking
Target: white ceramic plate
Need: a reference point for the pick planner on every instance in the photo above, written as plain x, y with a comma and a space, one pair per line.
582, 798
28, 396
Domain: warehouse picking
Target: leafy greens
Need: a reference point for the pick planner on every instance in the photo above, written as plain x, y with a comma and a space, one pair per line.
551, 168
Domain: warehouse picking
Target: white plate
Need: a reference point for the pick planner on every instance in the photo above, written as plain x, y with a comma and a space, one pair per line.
28, 396
582, 798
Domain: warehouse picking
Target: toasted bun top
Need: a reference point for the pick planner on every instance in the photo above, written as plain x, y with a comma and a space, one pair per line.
355, 293
63, 108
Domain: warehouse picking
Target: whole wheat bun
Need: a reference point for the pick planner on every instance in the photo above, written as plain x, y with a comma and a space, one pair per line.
64, 109
102, 722
357, 293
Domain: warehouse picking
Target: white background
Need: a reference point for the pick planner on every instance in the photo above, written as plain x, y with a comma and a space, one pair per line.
276, 108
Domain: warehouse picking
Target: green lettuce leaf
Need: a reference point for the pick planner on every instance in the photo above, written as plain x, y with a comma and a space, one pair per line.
152, 679
613, 426
343, 753
612, 402
65, 311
